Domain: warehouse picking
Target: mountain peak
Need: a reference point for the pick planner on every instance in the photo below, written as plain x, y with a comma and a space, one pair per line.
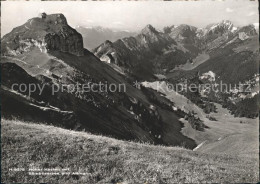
256, 25
226, 22
149, 29
46, 22
221, 27
48, 32
59, 17
249, 30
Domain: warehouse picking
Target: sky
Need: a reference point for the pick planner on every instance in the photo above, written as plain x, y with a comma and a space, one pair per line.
132, 15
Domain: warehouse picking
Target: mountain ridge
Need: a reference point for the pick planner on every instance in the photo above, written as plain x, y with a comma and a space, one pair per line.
183, 38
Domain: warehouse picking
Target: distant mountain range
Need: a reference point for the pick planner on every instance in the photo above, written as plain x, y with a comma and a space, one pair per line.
179, 52
149, 52
177, 45
94, 36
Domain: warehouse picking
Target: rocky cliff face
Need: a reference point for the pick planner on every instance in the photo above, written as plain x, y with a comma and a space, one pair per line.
183, 33
47, 32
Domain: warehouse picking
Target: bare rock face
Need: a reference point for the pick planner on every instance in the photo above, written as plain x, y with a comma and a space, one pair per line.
50, 32
183, 33
67, 41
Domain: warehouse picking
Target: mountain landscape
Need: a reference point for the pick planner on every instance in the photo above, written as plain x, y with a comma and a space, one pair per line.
44, 57
131, 115
184, 52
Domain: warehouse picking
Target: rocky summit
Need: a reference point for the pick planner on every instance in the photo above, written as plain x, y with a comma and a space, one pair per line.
47, 32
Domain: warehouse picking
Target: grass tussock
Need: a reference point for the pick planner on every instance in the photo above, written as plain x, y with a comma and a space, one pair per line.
106, 160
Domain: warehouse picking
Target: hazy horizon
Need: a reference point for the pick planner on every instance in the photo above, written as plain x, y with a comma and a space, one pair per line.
132, 15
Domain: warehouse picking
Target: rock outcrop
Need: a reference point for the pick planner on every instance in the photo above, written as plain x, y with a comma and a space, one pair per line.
183, 33
47, 32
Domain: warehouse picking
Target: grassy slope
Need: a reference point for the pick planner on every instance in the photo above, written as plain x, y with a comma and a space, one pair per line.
226, 135
201, 58
109, 160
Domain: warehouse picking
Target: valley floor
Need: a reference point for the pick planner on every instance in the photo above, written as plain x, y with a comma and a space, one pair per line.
226, 135
105, 160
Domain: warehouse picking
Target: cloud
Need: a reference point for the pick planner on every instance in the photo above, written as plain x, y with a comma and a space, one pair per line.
229, 10
251, 14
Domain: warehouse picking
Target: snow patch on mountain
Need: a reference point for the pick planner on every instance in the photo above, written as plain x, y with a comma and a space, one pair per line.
51, 108
233, 29
256, 25
225, 24
243, 36
209, 76
160, 76
105, 58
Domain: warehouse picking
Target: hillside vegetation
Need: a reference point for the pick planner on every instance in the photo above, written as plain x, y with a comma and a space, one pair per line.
107, 160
